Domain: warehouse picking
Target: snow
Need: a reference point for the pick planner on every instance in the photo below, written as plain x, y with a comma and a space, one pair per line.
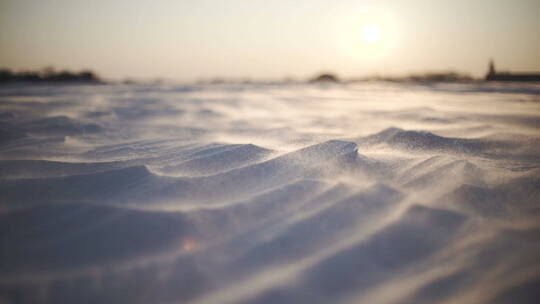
270, 193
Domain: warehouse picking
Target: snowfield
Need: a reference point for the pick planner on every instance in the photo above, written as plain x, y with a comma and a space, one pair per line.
290, 193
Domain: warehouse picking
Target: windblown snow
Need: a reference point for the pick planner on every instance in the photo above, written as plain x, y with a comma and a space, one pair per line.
291, 193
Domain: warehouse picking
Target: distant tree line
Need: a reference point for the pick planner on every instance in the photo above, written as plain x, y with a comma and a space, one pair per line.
449, 76
426, 77
325, 77
48, 75
439, 77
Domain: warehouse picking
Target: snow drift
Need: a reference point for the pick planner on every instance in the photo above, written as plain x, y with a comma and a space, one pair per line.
364, 193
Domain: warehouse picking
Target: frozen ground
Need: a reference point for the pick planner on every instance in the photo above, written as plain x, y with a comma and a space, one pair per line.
365, 193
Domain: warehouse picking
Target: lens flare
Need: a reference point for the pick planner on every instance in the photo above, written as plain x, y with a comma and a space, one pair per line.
188, 244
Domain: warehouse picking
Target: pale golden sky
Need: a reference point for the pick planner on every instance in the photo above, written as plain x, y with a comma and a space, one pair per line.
261, 39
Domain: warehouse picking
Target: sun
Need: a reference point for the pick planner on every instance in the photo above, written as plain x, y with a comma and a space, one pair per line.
368, 34
371, 33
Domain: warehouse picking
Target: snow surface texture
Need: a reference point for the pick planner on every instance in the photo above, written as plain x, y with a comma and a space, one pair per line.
365, 193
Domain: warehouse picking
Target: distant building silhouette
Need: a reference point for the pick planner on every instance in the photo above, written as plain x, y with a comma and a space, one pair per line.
493, 75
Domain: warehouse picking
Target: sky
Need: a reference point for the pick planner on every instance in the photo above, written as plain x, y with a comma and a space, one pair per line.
261, 39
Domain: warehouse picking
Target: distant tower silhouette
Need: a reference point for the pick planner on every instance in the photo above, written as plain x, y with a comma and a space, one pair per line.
492, 75
491, 67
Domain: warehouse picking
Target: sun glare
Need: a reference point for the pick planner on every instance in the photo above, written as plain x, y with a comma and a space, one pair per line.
371, 33
367, 34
